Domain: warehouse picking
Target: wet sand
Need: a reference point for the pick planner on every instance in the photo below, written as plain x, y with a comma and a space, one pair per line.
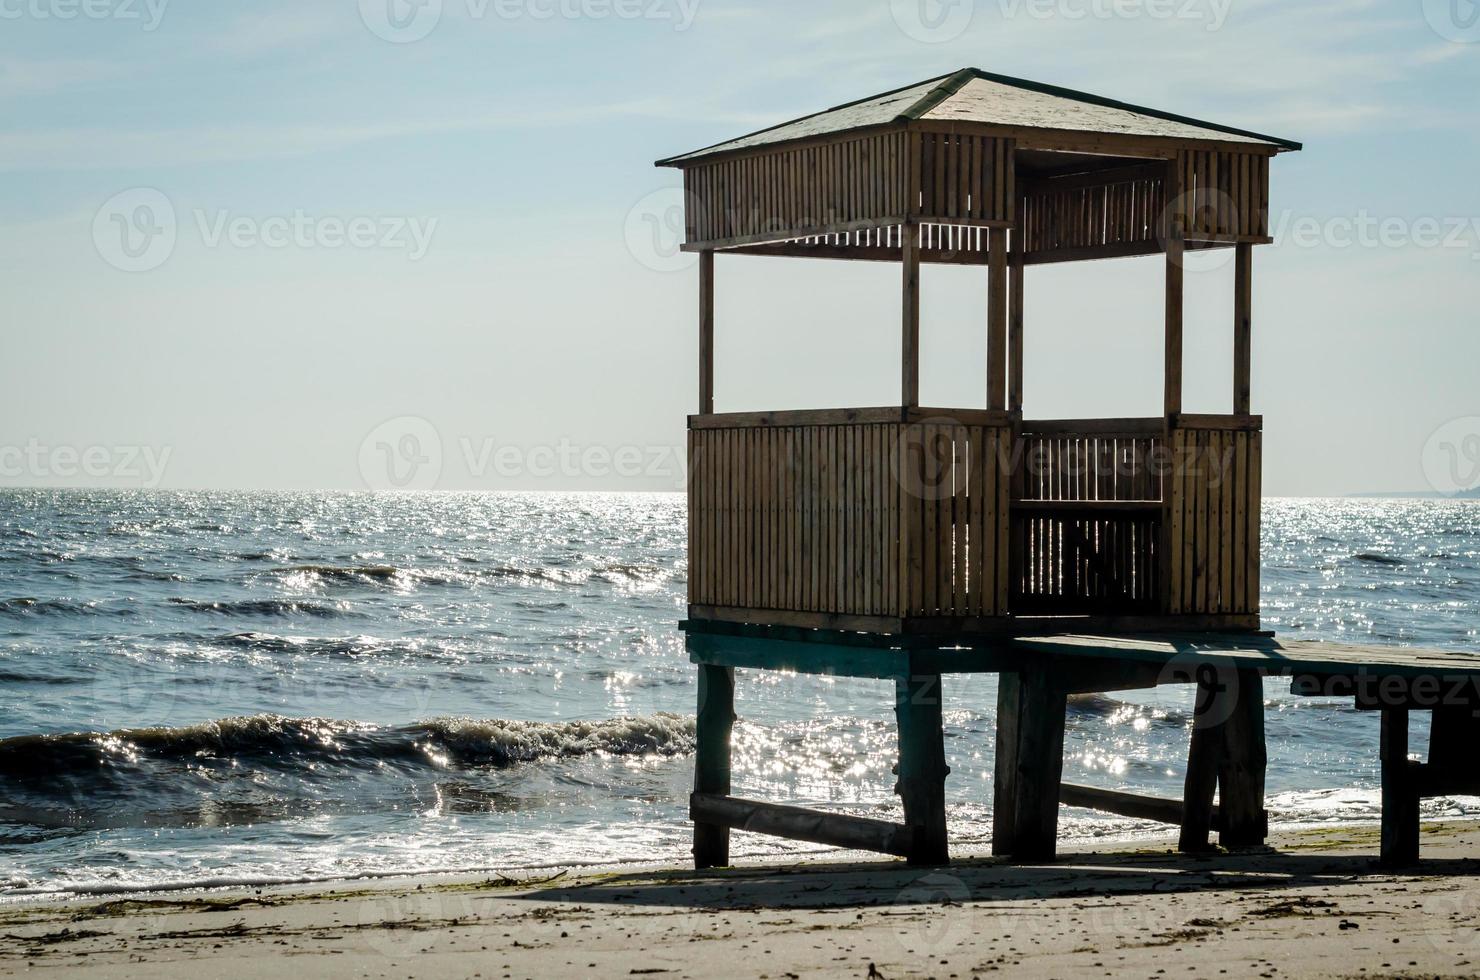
1314, 906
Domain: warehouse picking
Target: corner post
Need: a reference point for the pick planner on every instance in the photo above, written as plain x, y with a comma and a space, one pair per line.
1204, 759
712, 759
1241, 773
1042, 707
1005, 777
1176, 254
910, 248
997, 330
1015, 318
1400, 828
1243, 328
706, 332
922, 766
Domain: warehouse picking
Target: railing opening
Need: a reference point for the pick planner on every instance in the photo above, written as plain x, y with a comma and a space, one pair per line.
1087, 520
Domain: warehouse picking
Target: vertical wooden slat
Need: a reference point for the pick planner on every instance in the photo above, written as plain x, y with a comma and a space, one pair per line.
706, 332
1015, 319
997, 320
1226, 510
1243, 319
1255, 490
1176, 491
910, 393
1173, 345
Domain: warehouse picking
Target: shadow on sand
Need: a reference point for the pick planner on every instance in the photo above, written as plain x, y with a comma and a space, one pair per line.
987, 881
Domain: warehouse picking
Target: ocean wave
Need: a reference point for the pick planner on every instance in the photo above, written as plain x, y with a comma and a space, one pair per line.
336, 573
319, 745
260, 607
28, 606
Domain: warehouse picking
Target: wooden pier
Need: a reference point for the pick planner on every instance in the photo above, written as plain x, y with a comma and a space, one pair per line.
915, 543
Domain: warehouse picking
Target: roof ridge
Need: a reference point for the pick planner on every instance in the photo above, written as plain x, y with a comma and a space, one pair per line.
813, 115
1075, 95
949, 86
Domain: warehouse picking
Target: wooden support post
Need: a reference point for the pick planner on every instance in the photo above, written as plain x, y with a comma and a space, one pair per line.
997, 319
1005, 777
1042, 708
1242, 767
1399, 793
1204, 758
1176, 254
706, 332
1015, 320
922, 767
1243, 328
712, 759
910, 239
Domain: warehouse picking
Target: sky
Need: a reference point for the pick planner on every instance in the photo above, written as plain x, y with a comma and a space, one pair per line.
422, 244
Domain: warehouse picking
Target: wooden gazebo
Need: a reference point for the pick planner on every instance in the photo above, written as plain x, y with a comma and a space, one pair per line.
909, 520
910, 543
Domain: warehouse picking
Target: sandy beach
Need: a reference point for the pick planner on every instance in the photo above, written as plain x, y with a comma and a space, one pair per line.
1312, 906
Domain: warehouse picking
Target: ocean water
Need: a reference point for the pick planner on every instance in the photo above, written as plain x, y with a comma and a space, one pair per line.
206, 688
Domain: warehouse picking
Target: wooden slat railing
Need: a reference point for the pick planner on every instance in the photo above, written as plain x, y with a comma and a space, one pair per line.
837, 517
877, 519
1086, 521
1212, 515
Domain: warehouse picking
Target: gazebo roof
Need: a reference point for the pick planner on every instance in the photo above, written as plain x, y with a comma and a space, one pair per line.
975, 96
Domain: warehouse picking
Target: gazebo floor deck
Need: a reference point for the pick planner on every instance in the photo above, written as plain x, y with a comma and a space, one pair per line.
1038, 673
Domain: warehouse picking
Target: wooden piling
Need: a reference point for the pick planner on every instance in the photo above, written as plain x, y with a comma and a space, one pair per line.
922, 767
1242, 767
716, 721
1204, 757
1034, 768
1005, 780
1399, 794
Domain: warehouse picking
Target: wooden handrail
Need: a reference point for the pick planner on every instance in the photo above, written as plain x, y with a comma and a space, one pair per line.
1094, 427
852, 416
